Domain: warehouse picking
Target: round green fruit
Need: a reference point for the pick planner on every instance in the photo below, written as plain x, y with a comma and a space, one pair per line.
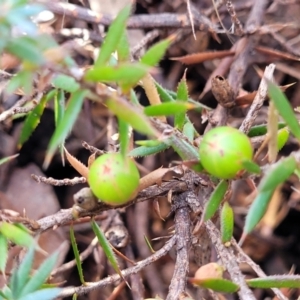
222, 151
113, 179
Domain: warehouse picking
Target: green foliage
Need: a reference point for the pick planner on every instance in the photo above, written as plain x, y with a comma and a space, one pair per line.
31, 122
7, 159
182, 95
276, 281
104, 243
24, 286
65, 125
77, 255
227, 222
216, 284
145, 150
284, 108
215, 200
113, 37
17, 234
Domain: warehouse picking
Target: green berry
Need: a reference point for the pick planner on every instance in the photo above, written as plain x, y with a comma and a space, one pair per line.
222, 151
113, 179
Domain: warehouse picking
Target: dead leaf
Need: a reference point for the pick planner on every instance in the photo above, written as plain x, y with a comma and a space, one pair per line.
198, 58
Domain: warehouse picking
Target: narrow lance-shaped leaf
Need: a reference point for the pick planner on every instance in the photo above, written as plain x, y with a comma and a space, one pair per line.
156, 52
168, 109
284, 108
122, 73
59, 111
20, 276
276, 281
257, 210
77, 255
251, 167
131, 115
261, 129
45, 294
17, 235
124, 136
278, 173
145, 151
182, 95
123, 48
272, 133
66, 124
183, 148
216, 284
282, 137
40, 276
7, 159
106, 248
215, 200
32, 121
113, 36
4, 252
66, 83
227, 223
189, 131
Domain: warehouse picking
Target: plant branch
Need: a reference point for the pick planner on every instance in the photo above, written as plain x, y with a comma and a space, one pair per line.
183, 241
69, 291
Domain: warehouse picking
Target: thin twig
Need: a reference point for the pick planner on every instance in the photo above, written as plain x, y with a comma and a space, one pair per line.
237, 25
69, 291
258, 100
183, 241
244, 258
58, 182
229, 261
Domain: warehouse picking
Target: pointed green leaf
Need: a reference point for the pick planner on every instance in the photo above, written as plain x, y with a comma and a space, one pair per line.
131, 115
17, 235
124, 136
182, 95
66, 83
123, 73
189, 131
257, 210
113, 37
251, 167
7, 159
123, 48
77, 255
149, 143
45, 294
227, 223
20, 276
183, 148
284, 108
66, 124
145, 150
278, 173
32, 121
216, 284
4, 253
40, 276
168, 108
6, 293
215, 200
59, 111
26, 48
104, 243
163, 93
276, 281
261, 129
282, 137
155, 53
